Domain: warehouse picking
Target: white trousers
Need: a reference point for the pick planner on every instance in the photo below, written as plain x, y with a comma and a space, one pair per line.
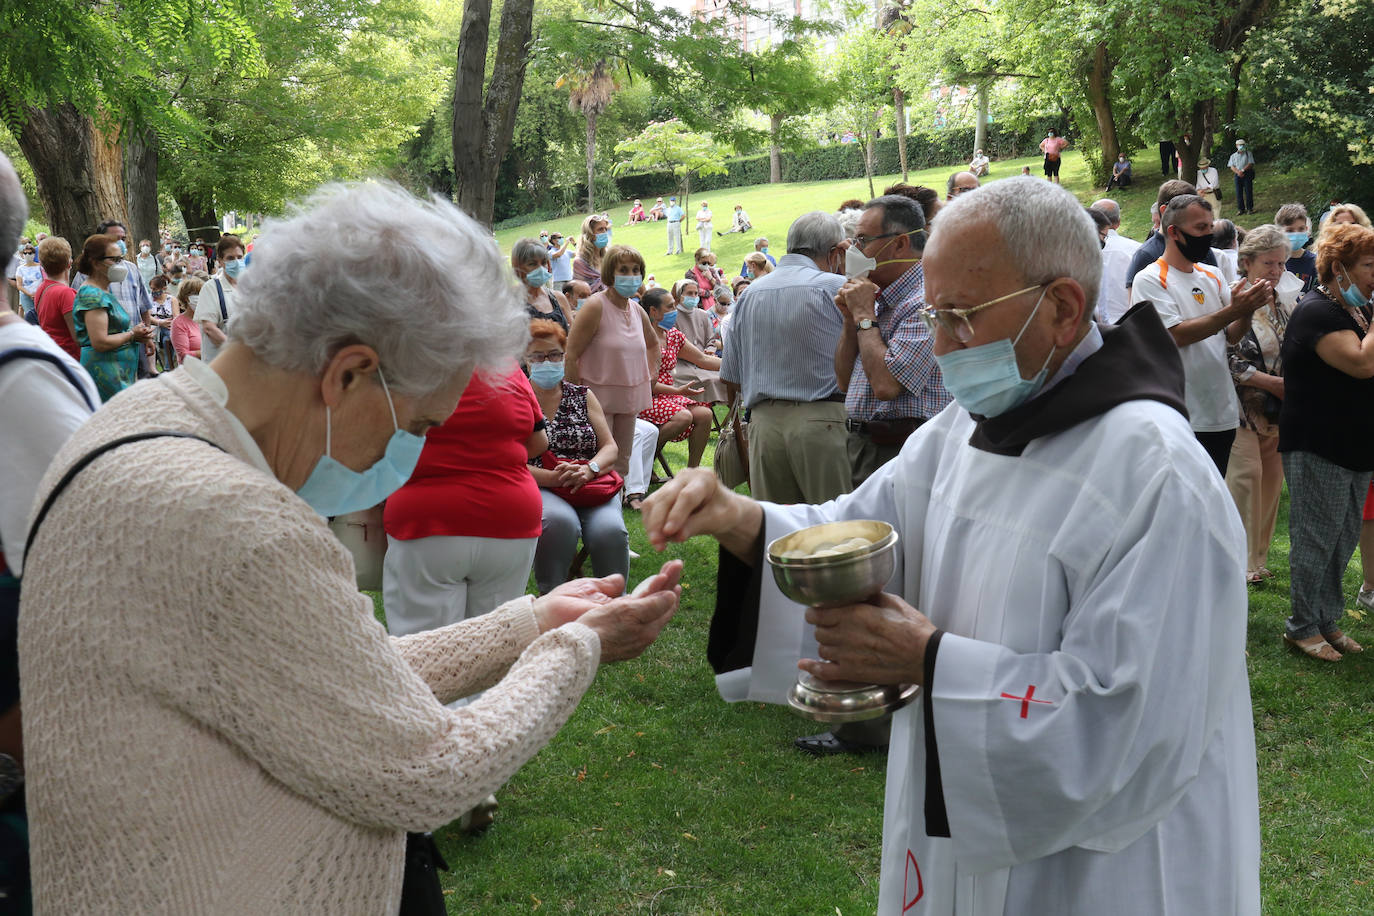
704, 234
642, 458
675, 238
432, 582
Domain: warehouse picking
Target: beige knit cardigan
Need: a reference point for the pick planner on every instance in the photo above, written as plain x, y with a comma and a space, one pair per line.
223, 727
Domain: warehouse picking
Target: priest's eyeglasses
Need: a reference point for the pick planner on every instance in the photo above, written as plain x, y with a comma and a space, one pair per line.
955, 323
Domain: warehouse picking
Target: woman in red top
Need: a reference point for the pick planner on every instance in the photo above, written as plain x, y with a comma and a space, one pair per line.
54, 298
461, 533
675, 410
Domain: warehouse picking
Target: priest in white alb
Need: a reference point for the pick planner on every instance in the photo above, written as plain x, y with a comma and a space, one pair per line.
1069, 595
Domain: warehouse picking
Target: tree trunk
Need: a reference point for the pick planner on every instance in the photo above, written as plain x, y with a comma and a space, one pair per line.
1099, 96
899, 106
482, 127
1233, 102
57, 143
140, 182
199, 216
592, 115
774, 151
868, 162
1188, 153
980, 127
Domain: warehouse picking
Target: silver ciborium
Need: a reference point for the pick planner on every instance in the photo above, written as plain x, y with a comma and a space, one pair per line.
823, 566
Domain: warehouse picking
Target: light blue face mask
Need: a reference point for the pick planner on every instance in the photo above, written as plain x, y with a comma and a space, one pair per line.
232, 269
668, 321
603, 239
537, 277
1296, 240
986, 380
546, 375
690, 302
1351, 294
334, 489
628, 285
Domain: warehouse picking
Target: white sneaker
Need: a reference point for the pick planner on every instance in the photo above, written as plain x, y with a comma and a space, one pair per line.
1365, 599
633, 555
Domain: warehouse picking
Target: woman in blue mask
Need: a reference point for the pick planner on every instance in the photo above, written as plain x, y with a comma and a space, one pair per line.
678, 409
695, 319
530, 260
1326, 445
243, 688
612, 345
591, 251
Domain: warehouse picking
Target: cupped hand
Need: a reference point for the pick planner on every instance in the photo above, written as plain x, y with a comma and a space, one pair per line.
882, 641
571, 600
1252, 298
627, 626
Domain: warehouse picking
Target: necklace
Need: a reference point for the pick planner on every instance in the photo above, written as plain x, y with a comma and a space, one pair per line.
1357, 313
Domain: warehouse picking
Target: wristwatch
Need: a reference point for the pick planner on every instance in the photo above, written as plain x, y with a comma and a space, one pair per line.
864, 324
596, 468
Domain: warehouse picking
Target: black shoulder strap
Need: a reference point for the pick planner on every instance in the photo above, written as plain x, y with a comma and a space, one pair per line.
223, 312
14, 353
87, 459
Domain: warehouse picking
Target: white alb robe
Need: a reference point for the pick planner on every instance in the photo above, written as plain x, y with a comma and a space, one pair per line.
1102, 567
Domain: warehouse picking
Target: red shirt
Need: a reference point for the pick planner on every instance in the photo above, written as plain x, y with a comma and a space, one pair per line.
472, 479
55, 300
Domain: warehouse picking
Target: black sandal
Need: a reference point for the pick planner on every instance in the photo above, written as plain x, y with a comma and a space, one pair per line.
634, 501
829, 744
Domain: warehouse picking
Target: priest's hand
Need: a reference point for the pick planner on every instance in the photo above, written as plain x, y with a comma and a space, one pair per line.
696, 502
883, 642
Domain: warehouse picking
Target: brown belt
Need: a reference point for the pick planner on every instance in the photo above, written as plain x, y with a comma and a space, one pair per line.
885, 432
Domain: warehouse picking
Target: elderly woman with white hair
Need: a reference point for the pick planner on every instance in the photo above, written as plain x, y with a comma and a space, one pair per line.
530, 260
237, 725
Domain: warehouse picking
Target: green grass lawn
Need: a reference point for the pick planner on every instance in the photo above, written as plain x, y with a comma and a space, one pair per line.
773, 207
657, 797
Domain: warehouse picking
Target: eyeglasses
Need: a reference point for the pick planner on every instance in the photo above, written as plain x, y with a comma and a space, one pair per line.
111, 257
955, 323
546, 358
863, 240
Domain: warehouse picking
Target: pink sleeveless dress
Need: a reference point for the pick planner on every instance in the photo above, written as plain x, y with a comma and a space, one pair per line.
615, 365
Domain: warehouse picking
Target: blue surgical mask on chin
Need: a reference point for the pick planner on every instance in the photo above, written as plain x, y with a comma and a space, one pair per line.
986, 380
1351, 294
334, 489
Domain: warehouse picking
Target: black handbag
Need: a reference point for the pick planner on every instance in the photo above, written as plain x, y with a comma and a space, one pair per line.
421, 894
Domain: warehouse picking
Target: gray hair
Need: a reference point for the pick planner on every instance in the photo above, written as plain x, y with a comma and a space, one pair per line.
528, 250
1046, 233
814, 234
1260, 240
1109, 208
14, 206
418, 281
849, 221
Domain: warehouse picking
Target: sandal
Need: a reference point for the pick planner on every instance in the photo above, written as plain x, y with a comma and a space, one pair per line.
1342, 643
1254, 578
1265, 572
829, 743
1321, 649
634, 501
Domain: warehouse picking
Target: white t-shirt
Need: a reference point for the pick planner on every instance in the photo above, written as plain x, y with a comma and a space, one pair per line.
562, 267
30, 277
208, 313
1179, 296
40, 408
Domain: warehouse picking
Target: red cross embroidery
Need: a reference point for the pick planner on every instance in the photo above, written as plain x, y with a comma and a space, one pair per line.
909, 902
1026, 700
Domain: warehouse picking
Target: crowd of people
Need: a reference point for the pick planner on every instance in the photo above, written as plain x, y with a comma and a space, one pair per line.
1049, 413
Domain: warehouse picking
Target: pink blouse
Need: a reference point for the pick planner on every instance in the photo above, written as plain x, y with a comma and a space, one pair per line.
615, 365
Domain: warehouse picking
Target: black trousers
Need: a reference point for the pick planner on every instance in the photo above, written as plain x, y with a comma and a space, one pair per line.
1218, 446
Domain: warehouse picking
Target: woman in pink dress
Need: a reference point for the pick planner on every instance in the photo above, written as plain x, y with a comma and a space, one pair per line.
612, 345
674, 410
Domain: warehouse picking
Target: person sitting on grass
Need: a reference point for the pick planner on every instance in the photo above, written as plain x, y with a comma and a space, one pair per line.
740, 223
637, 214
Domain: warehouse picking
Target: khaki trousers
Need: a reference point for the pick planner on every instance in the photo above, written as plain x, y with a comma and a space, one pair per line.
798, 451
1255, 479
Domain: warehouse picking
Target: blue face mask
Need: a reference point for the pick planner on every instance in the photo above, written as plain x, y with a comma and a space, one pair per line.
986, 380
1351, 294
334, 489
748, 275
123, 248
603, 239
232, 269
537, 277
627, 286
546, 375
668, 321
764, 251
690, 302
1296, 240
